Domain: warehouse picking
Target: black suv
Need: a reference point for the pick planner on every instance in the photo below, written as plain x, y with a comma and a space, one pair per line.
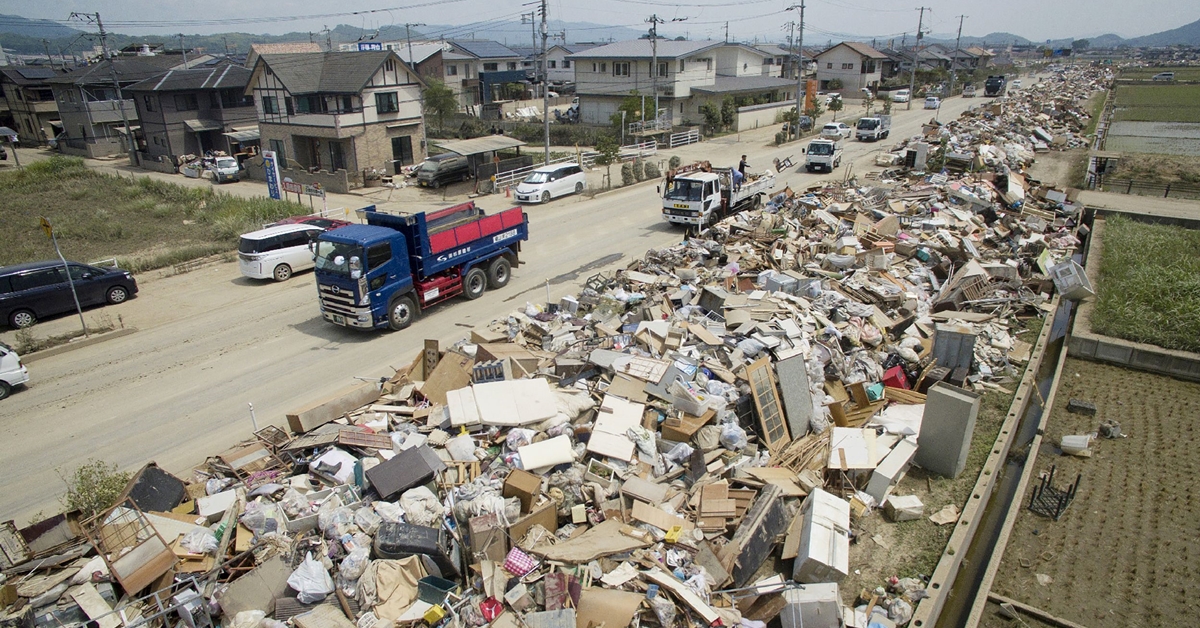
36, 290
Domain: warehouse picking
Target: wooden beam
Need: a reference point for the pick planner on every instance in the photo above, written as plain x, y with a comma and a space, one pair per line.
1034, 611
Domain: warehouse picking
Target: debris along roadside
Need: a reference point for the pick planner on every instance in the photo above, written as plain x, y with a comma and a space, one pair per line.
696, 439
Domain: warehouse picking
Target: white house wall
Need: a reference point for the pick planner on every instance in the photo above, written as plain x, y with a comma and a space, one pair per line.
829, 67
737, 61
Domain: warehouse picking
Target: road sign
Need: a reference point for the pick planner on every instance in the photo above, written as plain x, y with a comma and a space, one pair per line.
47, 228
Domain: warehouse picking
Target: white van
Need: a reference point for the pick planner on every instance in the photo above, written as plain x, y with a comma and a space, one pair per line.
276, 252
12, 371
547, 182
225, 169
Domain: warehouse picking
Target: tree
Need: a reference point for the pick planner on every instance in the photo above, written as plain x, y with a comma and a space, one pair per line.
728, 112
712, 117
609, 151
835, 105
632, 106
834, 84
1080, 44
439, 101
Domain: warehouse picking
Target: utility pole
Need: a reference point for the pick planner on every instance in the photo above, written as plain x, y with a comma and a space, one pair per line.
225, 44
46, 45
726, 32
328, 39
912, 76
183, 50
654, 22
112, 67
545, 88
954, 60
799, 68
408, 33
532, 15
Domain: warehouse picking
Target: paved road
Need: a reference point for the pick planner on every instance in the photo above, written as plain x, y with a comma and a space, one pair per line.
210, 342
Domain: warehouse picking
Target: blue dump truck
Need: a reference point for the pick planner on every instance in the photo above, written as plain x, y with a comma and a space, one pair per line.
383, 273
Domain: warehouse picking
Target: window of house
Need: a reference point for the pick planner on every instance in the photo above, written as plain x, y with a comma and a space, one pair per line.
553, 64
231, 98
278, 147
289, 106
681, 65
620, 69
566, 64
270, 104
390, 65
347, 103
512, 65
452, 70
604, 67
309, 104
847, 66
829, 66
388, 102
186, 102
708, 65
45, 94
490, 67
662, 68
147, 102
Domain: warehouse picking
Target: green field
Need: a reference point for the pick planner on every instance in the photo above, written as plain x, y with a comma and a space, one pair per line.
1144, 74
142, 222
1158, 103
1149, 284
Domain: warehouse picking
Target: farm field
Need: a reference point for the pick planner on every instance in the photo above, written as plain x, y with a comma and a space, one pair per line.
1158, 103
1144, 74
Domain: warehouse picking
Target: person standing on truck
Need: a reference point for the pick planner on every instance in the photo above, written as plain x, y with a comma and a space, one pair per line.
742, 166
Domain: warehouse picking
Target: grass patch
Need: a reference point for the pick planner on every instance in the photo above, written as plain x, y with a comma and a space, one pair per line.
1158, 103
1181, 73
1157, 168
1095, 106
25, 342
1149, 284
144, 222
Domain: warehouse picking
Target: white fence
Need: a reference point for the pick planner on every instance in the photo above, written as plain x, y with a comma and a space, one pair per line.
511, 178
683, 138
661, 123
638, 151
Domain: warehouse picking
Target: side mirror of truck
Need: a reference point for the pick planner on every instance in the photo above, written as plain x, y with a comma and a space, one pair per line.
803, 150
658, 188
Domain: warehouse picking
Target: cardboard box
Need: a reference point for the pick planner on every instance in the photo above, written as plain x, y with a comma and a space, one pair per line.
523, 485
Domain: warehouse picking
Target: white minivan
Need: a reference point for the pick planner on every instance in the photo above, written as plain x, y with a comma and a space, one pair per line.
12, 371
547, 182
277, 252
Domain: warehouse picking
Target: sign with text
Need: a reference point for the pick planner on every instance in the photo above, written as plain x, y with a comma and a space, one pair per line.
369, 45
271, 168
309, 189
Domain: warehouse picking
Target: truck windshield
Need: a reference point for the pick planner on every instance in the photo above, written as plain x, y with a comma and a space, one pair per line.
868, 124
820, 149
684, 190
330, 253
537, 177
227, 162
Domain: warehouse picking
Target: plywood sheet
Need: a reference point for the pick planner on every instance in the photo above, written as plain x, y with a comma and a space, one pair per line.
94, 606
658, 518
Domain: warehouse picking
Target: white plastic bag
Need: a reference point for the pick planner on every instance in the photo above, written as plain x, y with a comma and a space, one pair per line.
200, 541
421, 507
248, 619
311, 581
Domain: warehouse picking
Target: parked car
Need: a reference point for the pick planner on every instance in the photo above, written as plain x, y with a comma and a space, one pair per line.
277, 252
225, 169
1163, 76
547, 182
1016, 84
901, 95
933, 102
836, 129
804, 122
316, 221
442, 169
32, 291
12, 372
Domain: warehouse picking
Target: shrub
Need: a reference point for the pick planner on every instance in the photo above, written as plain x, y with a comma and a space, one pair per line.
93, 487
674, 162
639, 170
652, 170
627, 174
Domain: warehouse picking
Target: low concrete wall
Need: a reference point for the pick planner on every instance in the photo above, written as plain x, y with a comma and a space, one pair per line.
161, 163
333, 182
1082, 343
755, 116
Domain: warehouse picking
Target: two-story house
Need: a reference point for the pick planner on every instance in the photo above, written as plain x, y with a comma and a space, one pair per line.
856, 65
88, 106
32, 110
333, 111
487, 66
558, 62
188, 112
690, 74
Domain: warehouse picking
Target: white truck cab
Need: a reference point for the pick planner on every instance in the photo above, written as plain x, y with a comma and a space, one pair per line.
700, 195
225, 169
823, 154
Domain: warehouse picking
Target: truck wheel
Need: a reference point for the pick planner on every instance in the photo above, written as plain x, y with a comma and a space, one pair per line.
475, 283
283, 272
402, 311
499, 272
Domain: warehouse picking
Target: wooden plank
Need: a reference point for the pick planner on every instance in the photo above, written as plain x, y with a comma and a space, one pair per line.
683, 594
367, 440
1034, 611
638, 488
94, 606
658, 518
327, 409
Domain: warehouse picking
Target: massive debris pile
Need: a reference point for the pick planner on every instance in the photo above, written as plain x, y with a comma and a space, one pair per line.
631, 454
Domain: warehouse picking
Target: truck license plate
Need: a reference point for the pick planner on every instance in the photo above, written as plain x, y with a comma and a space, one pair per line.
680, 206
339, 319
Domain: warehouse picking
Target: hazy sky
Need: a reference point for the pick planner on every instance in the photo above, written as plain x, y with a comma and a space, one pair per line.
1037, 20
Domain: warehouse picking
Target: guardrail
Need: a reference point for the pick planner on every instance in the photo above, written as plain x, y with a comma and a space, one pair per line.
641, 126
1148, 188
637, 151
690, 136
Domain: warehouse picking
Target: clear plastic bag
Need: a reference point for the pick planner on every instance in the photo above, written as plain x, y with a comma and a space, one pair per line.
295, 504
733, 437
200, 541
366, 520
311, 581
248, 619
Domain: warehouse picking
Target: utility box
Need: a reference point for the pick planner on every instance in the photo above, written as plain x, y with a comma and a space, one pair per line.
946, 429
824, 553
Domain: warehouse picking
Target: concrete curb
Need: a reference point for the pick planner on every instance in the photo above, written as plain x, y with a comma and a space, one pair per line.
77, 344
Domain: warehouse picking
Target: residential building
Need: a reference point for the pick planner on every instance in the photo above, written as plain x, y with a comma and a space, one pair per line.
331, 111
29, 99
91, 113
189, 112
488, 65
558, 62
280, 49
690, 74
856, 65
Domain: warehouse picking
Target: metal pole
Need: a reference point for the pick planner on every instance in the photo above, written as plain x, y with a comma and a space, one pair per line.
545, 88
653, 64
800, 70
66, 269
116, 83
13, 146
957, 40
183, 50
253, 419
912, 76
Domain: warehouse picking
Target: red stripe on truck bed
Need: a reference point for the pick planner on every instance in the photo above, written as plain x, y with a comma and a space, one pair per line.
465, 234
